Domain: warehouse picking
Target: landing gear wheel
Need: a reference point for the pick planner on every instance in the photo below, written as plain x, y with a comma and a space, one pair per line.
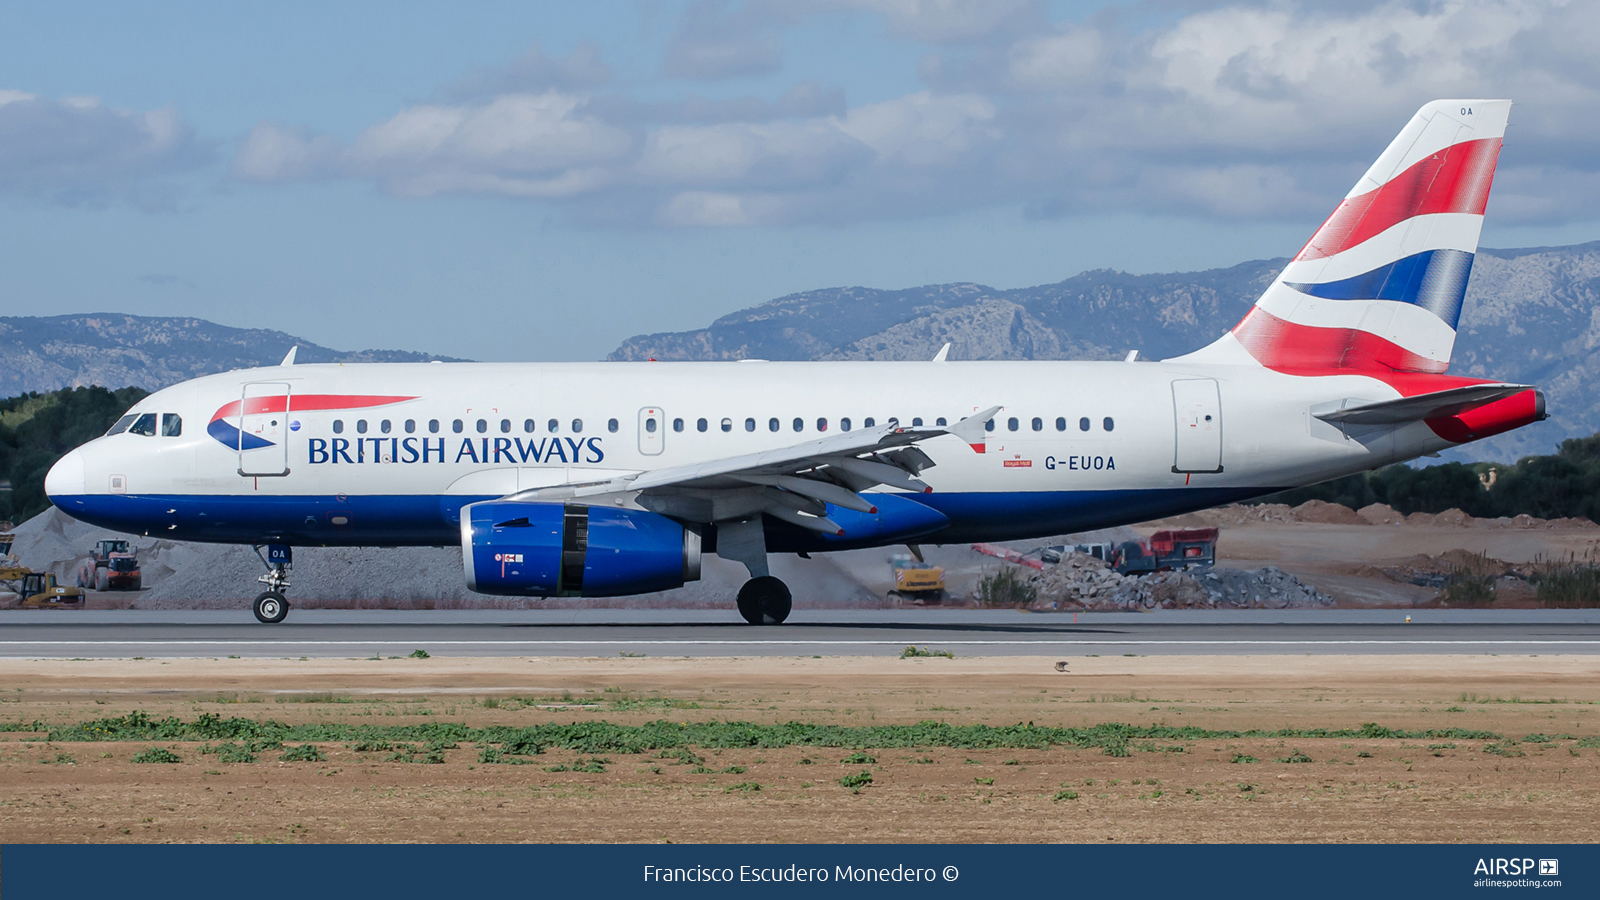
765, 601
271, 607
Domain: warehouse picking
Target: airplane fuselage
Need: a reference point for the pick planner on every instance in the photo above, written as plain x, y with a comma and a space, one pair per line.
387, 454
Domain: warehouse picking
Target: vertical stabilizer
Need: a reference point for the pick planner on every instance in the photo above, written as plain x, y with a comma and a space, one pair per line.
1379, 286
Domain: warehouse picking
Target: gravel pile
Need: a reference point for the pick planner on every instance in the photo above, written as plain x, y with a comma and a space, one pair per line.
1083, 581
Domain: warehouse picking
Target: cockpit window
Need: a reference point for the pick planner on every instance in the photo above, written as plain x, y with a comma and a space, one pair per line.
145, 425
171, 425
122, 424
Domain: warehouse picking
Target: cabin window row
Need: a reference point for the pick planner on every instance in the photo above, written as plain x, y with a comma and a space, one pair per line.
1037, 424
773, 424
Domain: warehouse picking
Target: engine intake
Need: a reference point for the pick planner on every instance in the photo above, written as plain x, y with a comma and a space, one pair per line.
570, 550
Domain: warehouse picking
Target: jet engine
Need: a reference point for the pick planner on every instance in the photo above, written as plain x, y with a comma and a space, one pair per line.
571, 550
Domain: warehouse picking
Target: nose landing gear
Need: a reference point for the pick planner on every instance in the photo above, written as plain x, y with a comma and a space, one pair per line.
271, 606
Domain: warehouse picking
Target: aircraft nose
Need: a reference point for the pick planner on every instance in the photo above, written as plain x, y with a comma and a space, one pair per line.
66, 477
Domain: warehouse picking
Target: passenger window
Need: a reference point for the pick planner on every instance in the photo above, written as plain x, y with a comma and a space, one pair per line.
989, 425
456, 426
1038, 424
1083, 424
649, 425
483, 426
505, 426
611, 425
361, 426
940, 422
677, 424
384, 426
868, 422
749, 424
527, 426
577, 426
553, 426
700, 425
433, 426
844, 424
411, 426
917, 422
171, 425
773, 424
1061, 423
1109, 424
145, 425
799, 424
121, 425
822, 424
727, 425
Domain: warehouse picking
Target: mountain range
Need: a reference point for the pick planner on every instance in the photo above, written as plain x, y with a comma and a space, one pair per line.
47, 353
1531, 315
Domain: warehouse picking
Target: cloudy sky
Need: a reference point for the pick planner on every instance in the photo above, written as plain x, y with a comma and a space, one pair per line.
539, 181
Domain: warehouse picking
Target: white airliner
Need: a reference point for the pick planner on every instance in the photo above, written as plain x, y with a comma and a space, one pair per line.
608, 479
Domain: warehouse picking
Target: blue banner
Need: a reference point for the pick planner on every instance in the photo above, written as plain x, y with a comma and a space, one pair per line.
273, 872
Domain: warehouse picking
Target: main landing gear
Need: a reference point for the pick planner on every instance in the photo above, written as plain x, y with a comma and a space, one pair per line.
271, 606
764, 600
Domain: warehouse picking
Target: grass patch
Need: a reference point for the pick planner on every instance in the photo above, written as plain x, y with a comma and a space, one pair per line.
1244, 758
156, 755
743, 787
593, 766
1066, 795
912, 652
1295, 757
673, 740
858, 759
857, 781
303, 753
418, 654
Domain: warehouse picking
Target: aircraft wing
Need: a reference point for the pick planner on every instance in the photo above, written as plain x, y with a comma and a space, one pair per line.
791, 483
1422, 406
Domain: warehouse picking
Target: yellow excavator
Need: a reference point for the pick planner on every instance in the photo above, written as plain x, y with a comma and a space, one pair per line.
37, 590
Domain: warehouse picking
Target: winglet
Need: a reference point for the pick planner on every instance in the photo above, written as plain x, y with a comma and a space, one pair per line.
944, 353
288, 358
972, 429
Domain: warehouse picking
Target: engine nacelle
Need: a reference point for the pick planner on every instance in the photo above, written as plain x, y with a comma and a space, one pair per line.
571, 550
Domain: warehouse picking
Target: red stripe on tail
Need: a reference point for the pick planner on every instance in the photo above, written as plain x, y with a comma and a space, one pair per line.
1454, 180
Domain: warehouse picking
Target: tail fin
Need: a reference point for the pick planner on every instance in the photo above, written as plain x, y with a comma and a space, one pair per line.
1379, 286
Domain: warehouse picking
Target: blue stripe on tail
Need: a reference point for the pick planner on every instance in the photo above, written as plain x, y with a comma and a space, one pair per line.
1435, 280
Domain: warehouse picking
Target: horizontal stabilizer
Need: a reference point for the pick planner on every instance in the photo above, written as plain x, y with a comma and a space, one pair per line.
1413, 409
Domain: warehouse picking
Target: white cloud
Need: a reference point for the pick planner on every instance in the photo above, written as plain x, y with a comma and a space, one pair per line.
79, 150
1241, 110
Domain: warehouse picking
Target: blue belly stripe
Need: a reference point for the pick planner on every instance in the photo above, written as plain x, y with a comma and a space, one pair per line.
430, 520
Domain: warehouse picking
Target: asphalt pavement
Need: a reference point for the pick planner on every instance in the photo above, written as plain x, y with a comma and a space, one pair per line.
656, 632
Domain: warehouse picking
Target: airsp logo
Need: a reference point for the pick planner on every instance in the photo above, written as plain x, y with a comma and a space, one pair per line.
1549, 867
1502, 866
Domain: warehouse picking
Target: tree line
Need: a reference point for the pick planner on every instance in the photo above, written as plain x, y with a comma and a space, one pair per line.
38, 429
1565, 483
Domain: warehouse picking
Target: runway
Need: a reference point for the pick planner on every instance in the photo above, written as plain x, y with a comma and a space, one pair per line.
59, 634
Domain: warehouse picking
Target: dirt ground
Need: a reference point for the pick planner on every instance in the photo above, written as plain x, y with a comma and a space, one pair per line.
1348, 561
1350, 789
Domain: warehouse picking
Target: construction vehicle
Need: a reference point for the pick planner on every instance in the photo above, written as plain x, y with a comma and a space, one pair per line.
1164, 550
916, 580
39, 590
112, 566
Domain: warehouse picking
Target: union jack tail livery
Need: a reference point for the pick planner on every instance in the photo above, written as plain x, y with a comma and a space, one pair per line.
1378, 288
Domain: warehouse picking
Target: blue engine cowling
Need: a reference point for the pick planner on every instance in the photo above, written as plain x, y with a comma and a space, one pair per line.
571, 550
